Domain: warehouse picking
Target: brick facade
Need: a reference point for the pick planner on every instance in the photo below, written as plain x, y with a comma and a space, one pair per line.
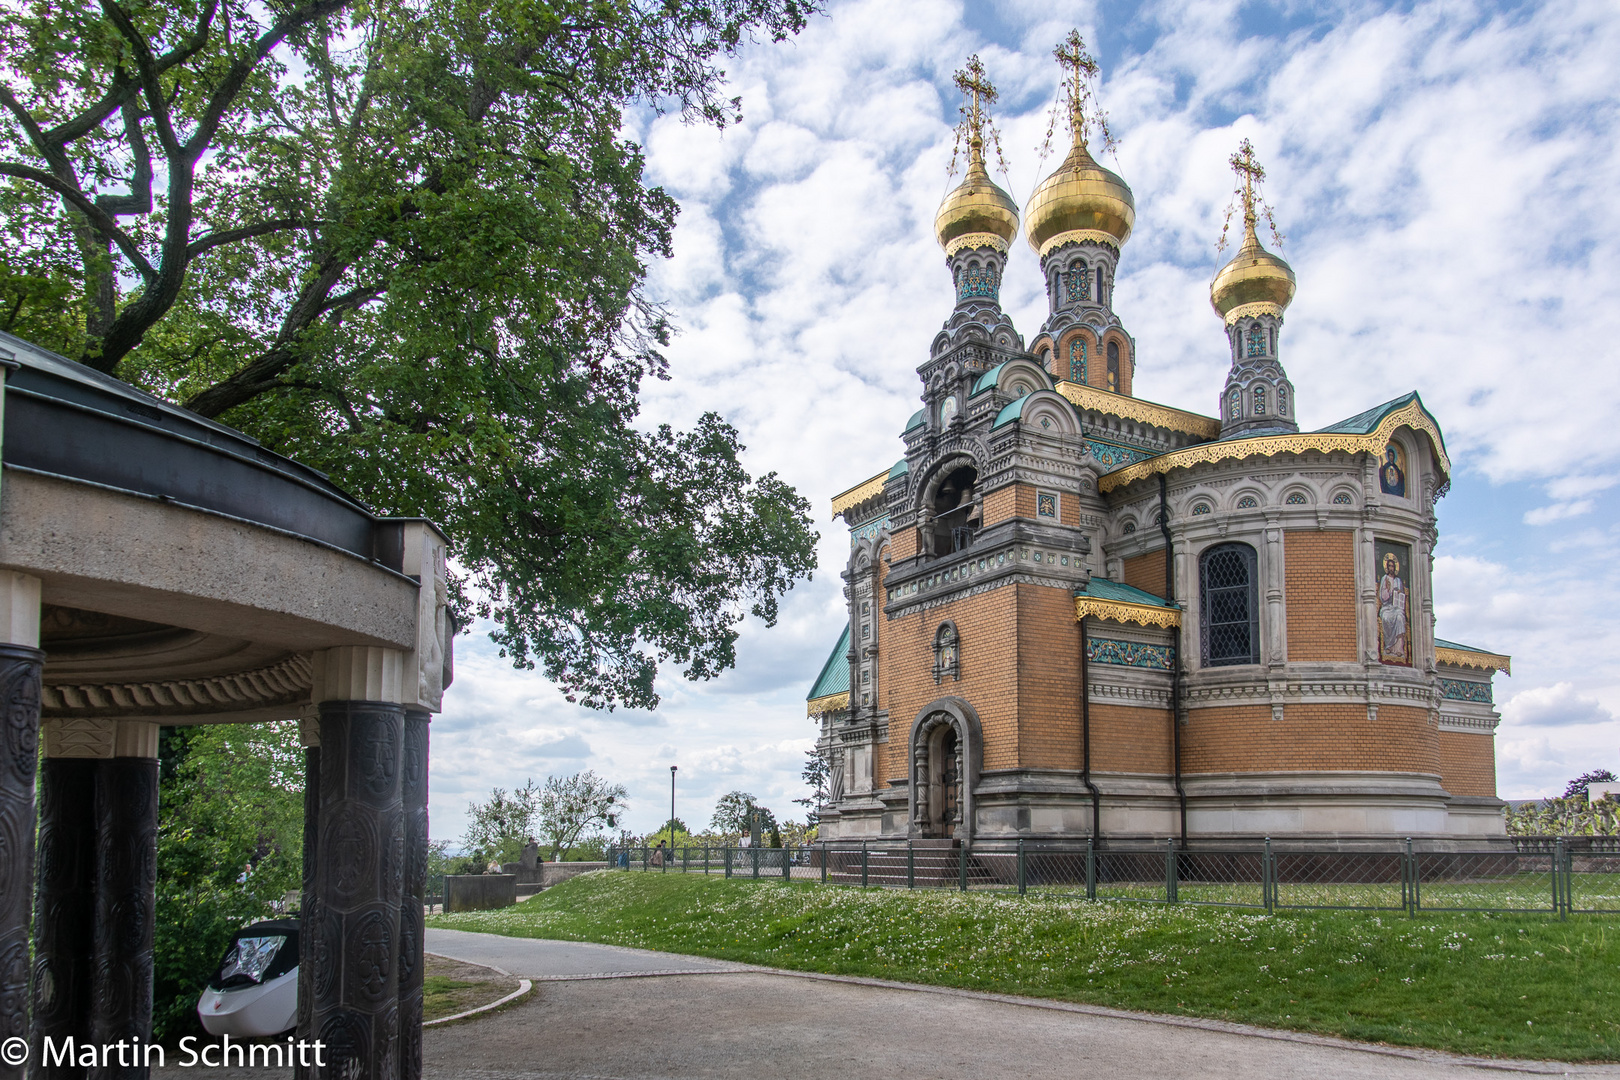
1131, 740
1308, 738
1320, 590
1146, 572
1468, 763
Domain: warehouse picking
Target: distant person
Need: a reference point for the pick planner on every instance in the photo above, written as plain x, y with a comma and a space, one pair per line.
658, 854
744, 842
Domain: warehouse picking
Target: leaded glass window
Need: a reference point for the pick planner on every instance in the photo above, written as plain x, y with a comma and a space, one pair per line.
1077, 283
977, 281
1234, 403
1259, 401
1257, 341
1077, 360
1229, 606
1113, 366
1282, 401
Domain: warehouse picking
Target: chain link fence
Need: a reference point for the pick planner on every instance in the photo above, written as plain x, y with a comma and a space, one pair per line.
1554, 875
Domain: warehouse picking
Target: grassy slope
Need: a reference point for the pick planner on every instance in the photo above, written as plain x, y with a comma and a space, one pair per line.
1510, 986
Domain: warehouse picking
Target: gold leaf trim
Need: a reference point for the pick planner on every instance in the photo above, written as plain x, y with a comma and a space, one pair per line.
1089, 397
975, 240
1119, 611
1259, 307
1410, 415
866, 489
827, 703
1469, 658
1079, 236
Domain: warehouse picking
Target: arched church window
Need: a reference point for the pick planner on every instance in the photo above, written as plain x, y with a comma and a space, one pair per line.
1259, 401
1234, 403
1257, 341
977, 280
1045, 358
1113, 366
1282, 401
1077, 282
1228, 605
1077, 360
947, 653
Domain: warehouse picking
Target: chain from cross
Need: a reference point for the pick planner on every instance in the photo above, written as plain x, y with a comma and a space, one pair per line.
977, 88
1079, 91
1250, 174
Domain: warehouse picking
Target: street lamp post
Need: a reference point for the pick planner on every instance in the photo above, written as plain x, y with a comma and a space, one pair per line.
671, 813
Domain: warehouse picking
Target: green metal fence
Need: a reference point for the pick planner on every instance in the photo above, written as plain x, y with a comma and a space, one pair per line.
1555, 875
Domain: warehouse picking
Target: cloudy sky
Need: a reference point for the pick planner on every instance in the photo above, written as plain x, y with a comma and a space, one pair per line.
1445, 174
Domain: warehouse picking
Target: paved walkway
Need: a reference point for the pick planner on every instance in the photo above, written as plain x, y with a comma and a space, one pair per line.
599, 1012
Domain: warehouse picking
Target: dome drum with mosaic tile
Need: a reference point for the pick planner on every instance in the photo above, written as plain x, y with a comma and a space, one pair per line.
1073, 613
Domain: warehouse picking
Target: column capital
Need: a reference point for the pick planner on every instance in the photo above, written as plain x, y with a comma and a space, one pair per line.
362, 673
19, 609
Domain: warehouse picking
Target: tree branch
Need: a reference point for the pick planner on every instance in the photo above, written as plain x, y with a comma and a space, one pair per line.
99, 218
210, 240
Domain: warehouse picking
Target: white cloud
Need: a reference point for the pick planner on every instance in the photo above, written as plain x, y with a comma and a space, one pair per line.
1553, 706
1546, 515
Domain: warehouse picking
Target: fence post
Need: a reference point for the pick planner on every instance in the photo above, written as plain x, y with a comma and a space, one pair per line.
1265, 878
727, 850
961, 866
1020, 866
824, 862
787, 863
1170, 870
1561, 879
1416, 900
863, 864
1091, 868
646, 857
755, 857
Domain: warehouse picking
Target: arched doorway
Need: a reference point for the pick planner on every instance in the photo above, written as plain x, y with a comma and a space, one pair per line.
942, 772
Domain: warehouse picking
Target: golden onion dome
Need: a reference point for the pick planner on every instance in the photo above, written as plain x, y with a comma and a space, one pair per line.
1080, 201
977, 208
1254, 282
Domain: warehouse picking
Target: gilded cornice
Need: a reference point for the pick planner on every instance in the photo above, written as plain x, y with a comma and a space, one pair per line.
1468, 658
1259, 307
827, 703
1410, 415
1079, 236
1089, 397
1119, 611
858, 494
975, 240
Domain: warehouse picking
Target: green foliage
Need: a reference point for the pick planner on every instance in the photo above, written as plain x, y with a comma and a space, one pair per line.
1565, 817
731, 814
1579, 785
230, 795
814, 776
406, 244
556, 814
1503, 985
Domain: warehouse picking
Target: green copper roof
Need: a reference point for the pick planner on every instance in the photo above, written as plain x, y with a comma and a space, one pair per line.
987, 380
1103, 589
1439, 644
834, 677
1364, 423
1010, 411
900, 469
915, 421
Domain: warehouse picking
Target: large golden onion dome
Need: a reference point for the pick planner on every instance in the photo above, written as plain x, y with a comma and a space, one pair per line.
1255, 281
1080, 201
977, 209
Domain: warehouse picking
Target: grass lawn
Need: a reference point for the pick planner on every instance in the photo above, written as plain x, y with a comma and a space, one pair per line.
1522, 986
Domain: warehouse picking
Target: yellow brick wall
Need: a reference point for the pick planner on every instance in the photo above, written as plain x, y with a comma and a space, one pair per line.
1309, 737
1321, 594
1468, 763
1012, 500
1146, 572
1130, 740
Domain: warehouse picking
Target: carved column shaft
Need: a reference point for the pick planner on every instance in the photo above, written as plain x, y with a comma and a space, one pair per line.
414, 799
307, 902
21, 665
126, 806
354, 922
64, 906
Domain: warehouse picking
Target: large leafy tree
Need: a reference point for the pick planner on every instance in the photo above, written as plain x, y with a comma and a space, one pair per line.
405, 241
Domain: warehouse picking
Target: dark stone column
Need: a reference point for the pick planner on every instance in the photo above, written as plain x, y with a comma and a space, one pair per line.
64, 907
414, 798
359, 880
20, 670
306, 903
126, 806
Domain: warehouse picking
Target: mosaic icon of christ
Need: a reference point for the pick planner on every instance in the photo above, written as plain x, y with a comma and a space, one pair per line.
1393, 644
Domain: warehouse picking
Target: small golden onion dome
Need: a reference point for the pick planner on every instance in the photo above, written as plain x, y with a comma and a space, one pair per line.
1254, 282
977, 207
1081, 198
